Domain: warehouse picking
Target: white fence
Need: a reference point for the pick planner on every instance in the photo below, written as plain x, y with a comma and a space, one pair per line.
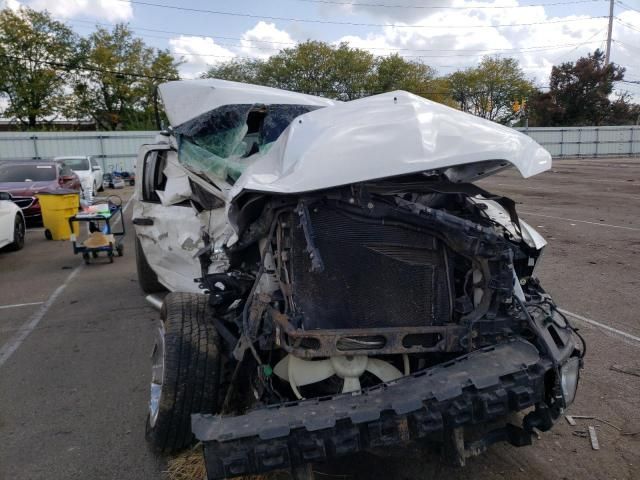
118, 150
115, 150
587, 141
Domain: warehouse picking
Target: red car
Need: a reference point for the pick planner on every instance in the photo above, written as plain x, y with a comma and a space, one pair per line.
24, 178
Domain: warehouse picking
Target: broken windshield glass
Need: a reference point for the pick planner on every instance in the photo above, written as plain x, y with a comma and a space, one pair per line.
221, 144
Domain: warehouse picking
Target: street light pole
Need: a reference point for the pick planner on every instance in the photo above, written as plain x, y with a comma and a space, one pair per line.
610, 28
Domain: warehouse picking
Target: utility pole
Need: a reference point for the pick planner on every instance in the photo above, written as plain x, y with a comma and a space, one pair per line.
608, 53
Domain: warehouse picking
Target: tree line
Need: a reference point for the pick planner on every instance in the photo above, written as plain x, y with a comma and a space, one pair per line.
579, 93
48, 72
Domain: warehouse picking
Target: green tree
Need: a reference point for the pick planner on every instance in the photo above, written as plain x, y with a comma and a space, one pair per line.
339, 72
394, 72
580, 94
120, 74
491, 89
36, 55
351, 72
246, 70
312, 67
305, 68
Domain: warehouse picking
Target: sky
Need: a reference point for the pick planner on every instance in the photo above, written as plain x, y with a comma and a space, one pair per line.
445, 34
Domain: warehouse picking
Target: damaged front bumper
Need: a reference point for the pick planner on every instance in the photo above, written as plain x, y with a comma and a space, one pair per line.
477, 388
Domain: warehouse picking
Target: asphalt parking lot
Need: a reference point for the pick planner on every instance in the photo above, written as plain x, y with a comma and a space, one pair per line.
75, 341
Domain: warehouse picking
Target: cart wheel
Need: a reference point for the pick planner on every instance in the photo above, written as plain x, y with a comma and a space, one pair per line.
94, 254
110, 257
47, 234
86, 258
120, 249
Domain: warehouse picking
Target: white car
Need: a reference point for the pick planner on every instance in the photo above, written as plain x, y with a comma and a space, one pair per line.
314, 249
88, 170
12, 224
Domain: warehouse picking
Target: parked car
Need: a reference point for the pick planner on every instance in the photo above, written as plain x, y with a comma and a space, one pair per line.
24, 178
88, 170
12, 223
354, 289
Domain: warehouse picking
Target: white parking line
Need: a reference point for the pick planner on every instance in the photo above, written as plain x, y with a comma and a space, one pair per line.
615, 331
23, 332
16, 305
600, 224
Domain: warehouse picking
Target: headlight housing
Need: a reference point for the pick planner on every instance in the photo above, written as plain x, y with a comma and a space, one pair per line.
569, 376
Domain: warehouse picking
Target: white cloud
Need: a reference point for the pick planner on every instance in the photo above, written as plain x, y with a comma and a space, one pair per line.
264, 39
111, 10
453, 48
198, 53
10, 4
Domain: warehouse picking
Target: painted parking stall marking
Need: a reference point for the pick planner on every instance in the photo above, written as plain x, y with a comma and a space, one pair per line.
8, 349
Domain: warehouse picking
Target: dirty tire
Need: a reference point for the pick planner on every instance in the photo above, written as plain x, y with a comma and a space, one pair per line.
191, 374
147, 278
47, 234
19, 232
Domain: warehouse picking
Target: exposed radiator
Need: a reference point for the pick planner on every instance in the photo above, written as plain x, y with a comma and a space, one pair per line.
374, 275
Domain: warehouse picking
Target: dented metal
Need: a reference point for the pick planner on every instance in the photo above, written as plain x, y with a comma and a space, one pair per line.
343, 245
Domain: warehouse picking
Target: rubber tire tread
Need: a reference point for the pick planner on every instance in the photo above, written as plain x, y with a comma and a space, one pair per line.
192, 370
15, 246
147, 278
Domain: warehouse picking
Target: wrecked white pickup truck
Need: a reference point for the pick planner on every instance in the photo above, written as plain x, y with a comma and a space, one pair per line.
338, 283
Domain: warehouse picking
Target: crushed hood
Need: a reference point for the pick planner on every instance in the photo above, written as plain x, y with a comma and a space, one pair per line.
381, 136
387, 135
187, 99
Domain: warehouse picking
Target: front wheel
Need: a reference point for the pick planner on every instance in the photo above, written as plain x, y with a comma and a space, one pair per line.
185, 371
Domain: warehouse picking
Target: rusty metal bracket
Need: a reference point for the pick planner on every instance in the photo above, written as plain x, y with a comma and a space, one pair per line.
374, 341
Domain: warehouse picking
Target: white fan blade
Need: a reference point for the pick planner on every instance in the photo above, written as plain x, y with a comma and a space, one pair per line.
304, 372
282, 368
383, 370
351, 384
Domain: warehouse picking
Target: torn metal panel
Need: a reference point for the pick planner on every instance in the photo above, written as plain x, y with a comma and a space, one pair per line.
187, 99
171, 228
177, 188
382, 136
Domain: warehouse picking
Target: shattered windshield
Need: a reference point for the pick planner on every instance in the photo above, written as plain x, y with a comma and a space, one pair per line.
221, 143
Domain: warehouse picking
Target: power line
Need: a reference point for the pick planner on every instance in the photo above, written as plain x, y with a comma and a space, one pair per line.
445, 7
624, 5
633, 47
625, 24
332, 22
61, 66
479, 51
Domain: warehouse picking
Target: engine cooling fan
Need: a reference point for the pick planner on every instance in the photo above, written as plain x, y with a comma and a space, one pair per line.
299, 372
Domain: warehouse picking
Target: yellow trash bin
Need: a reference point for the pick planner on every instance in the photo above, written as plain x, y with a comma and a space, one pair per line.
56, 210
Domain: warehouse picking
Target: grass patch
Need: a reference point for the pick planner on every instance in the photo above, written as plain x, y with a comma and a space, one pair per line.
189, 465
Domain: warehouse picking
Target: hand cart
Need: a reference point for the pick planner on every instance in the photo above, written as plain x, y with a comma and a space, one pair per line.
101, 223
